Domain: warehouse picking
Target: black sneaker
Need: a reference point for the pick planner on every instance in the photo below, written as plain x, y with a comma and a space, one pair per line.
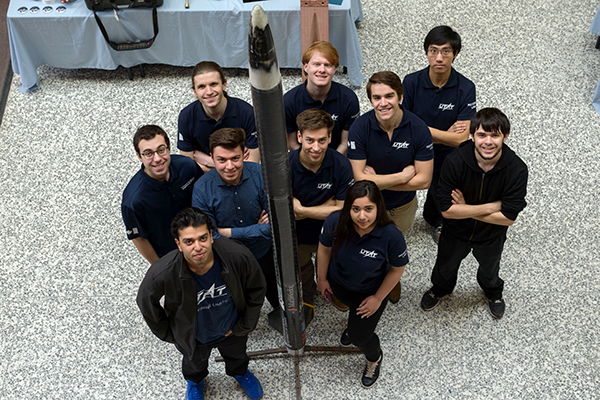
345, 339
429, 300
371, 373
496, 308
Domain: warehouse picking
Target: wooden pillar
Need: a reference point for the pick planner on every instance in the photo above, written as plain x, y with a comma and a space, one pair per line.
314, 21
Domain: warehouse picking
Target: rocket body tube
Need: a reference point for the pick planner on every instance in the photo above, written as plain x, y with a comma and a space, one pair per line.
267, 99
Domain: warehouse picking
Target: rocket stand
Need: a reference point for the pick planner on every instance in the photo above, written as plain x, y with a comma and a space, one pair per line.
262, 354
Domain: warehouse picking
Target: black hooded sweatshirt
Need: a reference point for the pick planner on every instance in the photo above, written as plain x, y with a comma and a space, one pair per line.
507, 181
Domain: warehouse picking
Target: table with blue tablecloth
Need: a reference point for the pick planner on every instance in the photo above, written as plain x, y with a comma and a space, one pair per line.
214, 30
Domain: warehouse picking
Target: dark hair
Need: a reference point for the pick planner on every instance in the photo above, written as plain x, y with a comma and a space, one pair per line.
441, 35
228, 138
387, 78
325, 48
148, 132
187, 217
491, 120
205, 67
356, 191
313, 119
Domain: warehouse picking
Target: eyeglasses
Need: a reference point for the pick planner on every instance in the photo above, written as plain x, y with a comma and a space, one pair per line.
446, 52
161, 151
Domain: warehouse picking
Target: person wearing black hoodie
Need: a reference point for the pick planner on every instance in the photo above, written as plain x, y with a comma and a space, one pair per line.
481, 191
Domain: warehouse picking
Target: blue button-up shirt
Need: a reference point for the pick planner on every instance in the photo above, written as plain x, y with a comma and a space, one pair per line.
237, 207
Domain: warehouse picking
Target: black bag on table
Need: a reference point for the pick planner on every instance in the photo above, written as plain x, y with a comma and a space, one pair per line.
102, 5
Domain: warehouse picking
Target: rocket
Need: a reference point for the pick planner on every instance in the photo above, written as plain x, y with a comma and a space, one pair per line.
267, 98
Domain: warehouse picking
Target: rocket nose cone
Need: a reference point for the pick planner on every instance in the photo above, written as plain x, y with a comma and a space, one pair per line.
262, 55
262, 45
258, 18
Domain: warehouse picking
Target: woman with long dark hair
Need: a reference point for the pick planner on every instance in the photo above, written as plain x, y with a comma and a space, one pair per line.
361, 256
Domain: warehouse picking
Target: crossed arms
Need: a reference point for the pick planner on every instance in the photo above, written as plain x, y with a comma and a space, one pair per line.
487, 212
412, 177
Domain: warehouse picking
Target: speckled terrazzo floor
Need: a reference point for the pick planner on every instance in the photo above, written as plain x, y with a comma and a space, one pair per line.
69, 325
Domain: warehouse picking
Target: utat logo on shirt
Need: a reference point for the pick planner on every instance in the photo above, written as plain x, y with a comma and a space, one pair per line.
324, 186
188, 183
212, 292
400, 145
367, 253
446, 107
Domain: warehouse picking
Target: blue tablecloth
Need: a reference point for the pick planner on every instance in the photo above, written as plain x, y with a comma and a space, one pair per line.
214, 30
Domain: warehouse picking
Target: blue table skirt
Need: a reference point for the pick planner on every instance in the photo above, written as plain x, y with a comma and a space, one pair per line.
209, 30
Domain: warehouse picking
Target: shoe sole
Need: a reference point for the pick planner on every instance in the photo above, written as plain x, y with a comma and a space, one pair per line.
369, 387
437, 304
429, 309
493, 315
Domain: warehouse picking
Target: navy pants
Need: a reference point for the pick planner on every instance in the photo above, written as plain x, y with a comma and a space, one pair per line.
361, 331
232, 349
452, 250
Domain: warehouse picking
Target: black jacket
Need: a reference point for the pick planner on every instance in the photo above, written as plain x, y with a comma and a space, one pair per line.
167, 295
507, 181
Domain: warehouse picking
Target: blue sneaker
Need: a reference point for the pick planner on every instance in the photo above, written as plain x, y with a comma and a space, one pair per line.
195, 391
251, 385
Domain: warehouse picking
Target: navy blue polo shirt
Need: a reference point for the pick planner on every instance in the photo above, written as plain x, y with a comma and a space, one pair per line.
332, 179
195, 127
441, 107
148, 205
341, 103
215, 312
411, 141
361, 263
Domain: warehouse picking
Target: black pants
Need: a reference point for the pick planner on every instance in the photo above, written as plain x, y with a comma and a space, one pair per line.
361, 331
233, 351
431, 209
451, 251
267, 265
